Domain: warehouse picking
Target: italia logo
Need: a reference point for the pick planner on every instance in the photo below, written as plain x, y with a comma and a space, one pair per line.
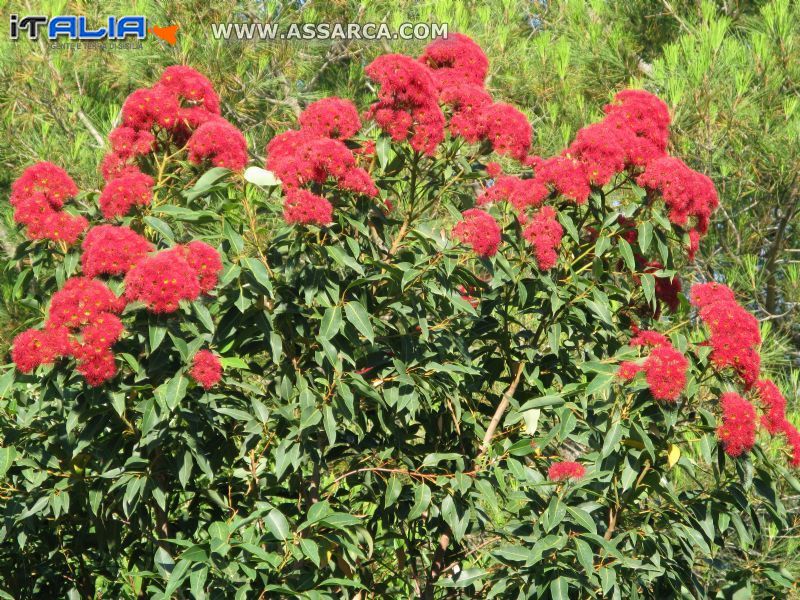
76, 28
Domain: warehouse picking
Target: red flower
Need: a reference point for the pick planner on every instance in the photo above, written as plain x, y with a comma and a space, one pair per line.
80, 302
221, 143
468, 103
190, 86
205, 261
47, 179
127, 142
133, 188
734, 332
774, 405
665, 367
303, 207
480, 231
689, 196
507, 129
407, 106
206, 369
520, 193
599, 148
738, 429
544, 232
566, 175
162, 280
34, 347
647, 117
298, 159
331, 117
38, 197
147, 107
564, 470
454, 60
110, 250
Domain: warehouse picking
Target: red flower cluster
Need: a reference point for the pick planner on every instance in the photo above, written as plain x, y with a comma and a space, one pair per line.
110, 250
80, 302
407, 106
561, 471
132, 188
331, 117
299, 158
565, 175
686, 193
544, 232
221, 143
665, 367
305, 208
206, 369
480, 231
38, 198
127, 142
520, 193
667, 289
35, 347
82, 323
314, 154
774, 418
468, 103
163, 279
735, 335
507, 129
184, 105
454, 60
647, 117
738, 429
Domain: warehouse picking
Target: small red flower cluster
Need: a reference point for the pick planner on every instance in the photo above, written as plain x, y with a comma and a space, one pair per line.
561, 471
522, 194
110, 250
480, 231
735, 336
82, 323
305, 208
735, 339
331, 118
667, 289
407, 106
221, 143
544, 233
163, 279
314, 154
181, 108
206, 369
738, 429
665, 367
686, 193
121, 194
455, 60
38, 198
459, 67
774, 418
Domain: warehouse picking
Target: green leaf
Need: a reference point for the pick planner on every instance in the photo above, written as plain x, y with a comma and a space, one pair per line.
583, 518
259, 273
277, 524
261, 177
649, 287
645, 235
559, 589
310, 549
422, 499
358, 316
7, 456
161, 227
627, 254
331, 322
393, 488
